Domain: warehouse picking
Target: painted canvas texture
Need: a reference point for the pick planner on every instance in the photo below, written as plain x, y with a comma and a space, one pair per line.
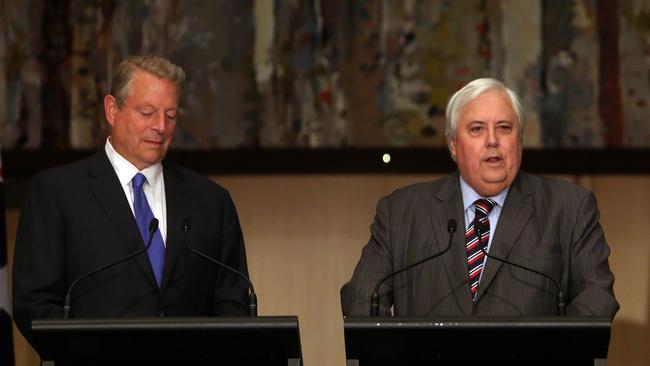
273, 74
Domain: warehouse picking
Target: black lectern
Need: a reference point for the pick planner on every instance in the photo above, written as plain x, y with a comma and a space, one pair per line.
256, 340
447, 341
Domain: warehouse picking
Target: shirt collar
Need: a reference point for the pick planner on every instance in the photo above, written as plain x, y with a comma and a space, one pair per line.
470, 196
126, 171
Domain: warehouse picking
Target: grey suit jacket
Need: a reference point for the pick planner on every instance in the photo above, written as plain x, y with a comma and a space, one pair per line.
546, 224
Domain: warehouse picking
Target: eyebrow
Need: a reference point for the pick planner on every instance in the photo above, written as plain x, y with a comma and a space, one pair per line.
149, 105
145, 105
483, 122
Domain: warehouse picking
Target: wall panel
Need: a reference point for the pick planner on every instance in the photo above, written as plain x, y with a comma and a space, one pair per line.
304, 234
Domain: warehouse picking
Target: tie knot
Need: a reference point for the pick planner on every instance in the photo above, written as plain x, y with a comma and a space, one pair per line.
138, 180
483, 207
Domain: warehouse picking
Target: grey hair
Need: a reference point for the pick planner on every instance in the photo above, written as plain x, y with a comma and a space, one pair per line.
470, 92
154, 65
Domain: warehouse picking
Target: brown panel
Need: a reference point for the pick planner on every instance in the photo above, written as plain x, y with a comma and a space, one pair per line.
304, 235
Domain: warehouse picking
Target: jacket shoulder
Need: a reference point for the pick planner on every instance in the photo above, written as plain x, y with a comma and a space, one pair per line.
68, 172
418, 191
551, 186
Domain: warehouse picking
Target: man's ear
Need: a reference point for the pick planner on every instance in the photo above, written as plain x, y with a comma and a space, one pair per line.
452, 147
110, 108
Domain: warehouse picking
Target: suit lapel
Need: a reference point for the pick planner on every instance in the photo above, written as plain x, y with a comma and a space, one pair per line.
514, 216
106, 188
455, 261
177, 212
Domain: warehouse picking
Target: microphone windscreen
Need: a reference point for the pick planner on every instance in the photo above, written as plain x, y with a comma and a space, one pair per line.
451, 226
153, 225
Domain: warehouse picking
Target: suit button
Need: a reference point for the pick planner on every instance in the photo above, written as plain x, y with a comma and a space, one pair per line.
161, 313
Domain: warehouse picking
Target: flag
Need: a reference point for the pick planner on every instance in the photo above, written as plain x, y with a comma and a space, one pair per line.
6, 335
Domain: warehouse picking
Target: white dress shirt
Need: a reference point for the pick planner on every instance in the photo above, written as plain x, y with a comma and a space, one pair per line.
154, 187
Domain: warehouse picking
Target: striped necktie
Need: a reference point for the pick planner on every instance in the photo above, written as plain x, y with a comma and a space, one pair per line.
474, 244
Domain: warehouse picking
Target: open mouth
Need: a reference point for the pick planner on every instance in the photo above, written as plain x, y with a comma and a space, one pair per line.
493, 160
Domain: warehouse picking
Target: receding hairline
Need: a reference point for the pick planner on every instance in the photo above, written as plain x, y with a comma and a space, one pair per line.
156, 66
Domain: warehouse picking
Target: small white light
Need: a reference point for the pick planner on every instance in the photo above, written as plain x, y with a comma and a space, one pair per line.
386, 158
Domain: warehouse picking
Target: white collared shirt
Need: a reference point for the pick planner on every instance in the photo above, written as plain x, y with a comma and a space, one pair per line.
469, 197
154, 187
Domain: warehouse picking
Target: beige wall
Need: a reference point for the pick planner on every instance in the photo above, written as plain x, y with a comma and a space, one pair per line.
304, 235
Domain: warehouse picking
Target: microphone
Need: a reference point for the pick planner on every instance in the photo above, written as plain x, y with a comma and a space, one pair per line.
153, 226
478, 226
374, 302
252, 298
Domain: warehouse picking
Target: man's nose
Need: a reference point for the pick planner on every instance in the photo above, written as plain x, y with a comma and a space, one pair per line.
492, 138
160, 123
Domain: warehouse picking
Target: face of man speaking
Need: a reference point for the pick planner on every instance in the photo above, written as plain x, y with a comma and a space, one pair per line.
143, 127
487, 147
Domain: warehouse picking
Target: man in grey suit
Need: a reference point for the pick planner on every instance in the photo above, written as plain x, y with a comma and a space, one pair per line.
544, 224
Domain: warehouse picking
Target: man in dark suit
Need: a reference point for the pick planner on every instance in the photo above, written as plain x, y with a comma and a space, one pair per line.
90, 213
544, 224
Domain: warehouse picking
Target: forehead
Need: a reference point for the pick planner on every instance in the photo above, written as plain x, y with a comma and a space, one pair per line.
492, 105
149, 87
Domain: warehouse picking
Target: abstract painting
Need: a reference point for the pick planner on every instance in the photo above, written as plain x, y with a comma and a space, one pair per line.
273, 74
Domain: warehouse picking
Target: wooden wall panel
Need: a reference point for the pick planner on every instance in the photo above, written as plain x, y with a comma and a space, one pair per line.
624, 203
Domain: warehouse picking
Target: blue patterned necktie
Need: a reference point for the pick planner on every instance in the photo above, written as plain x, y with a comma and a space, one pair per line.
474, 244
143, 216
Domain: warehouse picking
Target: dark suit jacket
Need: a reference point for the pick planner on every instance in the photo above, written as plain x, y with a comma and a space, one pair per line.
546, 224
76, 218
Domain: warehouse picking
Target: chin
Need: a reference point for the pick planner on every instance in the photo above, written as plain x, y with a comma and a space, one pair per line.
152, 159
495, 176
